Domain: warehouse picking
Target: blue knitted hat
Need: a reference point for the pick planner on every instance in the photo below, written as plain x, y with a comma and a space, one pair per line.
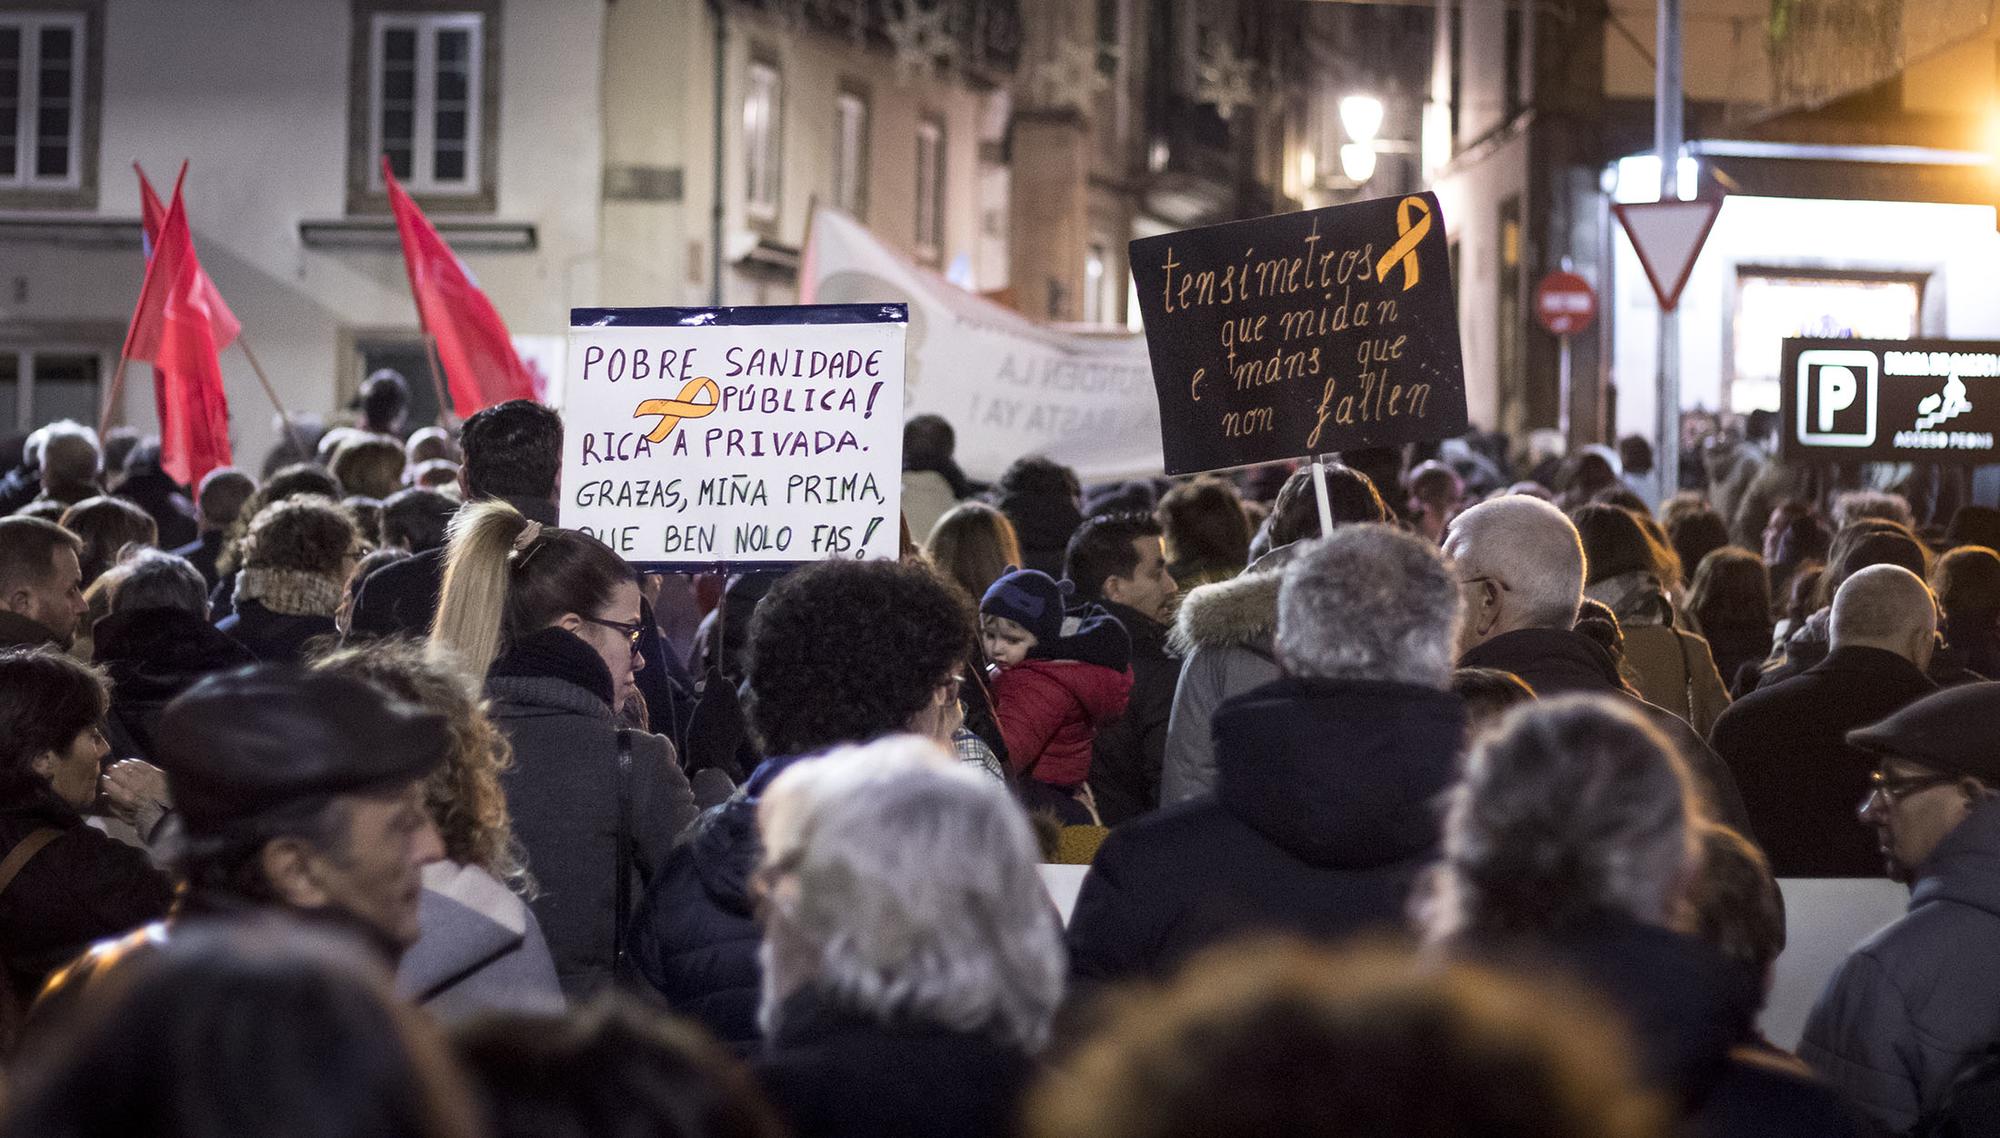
1031, 599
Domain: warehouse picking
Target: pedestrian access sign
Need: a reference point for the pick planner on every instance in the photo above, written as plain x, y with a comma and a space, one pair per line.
1891, 400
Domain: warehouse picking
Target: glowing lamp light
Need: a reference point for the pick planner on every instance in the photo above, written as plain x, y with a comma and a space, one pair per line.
1357, 161
1362, 116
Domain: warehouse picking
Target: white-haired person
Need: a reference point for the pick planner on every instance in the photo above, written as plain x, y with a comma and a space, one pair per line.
1521, 569
1323, 806
912, 961
1570, 847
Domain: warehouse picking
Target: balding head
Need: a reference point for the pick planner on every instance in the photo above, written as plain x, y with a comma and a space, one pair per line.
1521, 562
1886, 607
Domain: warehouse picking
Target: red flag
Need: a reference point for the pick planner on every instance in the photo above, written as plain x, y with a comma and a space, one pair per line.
152, 215
194, 413
479, 361
142, 340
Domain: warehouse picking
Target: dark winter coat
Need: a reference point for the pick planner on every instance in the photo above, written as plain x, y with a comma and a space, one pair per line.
1131, 750
400, 598
1919, 999
835, 1075
152, 656
161, 497
1690, 1010
551, 695
274, 637
695, 937
1558, 661
202, 552
1324, 810
1786, 744
1051, 704
81, 888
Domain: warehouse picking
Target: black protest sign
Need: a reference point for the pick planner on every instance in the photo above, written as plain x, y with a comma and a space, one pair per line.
1303, 333
1890, 400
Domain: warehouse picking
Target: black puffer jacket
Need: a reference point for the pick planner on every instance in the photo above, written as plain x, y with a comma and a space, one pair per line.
1324, 811
695, 937
153, 655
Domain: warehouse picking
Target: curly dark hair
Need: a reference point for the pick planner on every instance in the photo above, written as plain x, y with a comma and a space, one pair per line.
846, 651
307, 535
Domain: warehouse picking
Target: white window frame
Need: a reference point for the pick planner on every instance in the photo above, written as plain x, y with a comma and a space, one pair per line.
423, 142
763, 140
929, 211
1096, 274
850, 152
31, 25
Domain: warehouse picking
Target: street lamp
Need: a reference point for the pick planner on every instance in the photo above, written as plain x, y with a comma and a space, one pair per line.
1362, 116
1357, 161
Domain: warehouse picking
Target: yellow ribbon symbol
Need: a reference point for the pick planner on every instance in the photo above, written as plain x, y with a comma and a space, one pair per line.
1413, 223
672, 411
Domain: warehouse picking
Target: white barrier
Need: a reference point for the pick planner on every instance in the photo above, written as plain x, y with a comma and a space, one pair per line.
1824, 919
1063, 882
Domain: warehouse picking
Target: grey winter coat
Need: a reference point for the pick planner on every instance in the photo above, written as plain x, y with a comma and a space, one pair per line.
1919, 999
481, 950
563, 794
1224, 634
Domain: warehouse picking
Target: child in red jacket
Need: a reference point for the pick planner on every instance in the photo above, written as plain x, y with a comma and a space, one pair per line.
1057, 678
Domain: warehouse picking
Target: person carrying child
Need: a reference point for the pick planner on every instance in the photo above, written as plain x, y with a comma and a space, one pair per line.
1057, 677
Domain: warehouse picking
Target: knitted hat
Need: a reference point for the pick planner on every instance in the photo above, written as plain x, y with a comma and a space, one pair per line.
1031, 599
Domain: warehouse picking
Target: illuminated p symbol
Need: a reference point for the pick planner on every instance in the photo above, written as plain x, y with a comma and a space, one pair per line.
1837, 388
1837, 397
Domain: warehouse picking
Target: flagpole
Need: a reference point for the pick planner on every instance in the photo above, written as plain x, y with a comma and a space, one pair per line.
116, 395
284, 416
445, 414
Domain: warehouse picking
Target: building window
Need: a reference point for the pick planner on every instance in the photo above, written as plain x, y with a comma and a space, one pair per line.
930, 189
41, 100
426, 97
763, 140
41, 384
850, 153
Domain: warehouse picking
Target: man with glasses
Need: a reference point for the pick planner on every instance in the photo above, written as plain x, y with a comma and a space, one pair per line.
1521, 568
1918, 1000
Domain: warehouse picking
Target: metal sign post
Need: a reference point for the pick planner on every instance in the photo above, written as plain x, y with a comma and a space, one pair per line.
1667, 139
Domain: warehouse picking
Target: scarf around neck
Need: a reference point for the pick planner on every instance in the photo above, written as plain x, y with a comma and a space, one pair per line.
289, 592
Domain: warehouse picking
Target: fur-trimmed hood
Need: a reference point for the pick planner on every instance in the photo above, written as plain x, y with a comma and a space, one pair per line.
1234, 613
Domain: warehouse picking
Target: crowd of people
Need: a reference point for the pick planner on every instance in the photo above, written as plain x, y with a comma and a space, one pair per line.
1444, 792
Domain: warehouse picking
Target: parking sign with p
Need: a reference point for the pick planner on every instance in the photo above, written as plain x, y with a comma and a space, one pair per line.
1838, 396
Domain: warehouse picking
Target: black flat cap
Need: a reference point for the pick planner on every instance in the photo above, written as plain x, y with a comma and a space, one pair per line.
1949, 731
241, 743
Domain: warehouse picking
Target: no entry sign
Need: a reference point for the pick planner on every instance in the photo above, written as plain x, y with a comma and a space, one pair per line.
1565, 303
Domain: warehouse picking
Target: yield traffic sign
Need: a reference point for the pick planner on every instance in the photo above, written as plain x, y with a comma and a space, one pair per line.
1668, 237
1565, 303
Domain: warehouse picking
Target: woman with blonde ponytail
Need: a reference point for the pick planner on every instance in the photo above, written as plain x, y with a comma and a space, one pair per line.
551, 618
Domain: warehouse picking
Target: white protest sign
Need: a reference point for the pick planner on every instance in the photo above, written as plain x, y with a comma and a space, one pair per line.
735, 436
